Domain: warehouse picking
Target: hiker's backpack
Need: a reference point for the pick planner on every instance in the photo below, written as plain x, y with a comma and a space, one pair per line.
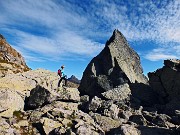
59, 72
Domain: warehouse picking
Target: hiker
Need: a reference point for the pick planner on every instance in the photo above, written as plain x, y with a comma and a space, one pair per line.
62, 76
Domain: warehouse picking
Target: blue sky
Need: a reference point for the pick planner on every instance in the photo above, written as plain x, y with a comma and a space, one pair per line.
50, 33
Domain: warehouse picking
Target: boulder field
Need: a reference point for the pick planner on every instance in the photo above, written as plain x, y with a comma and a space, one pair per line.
114, 97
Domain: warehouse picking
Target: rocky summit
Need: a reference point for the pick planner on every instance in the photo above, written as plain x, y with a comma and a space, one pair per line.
114, 98
116, 64
11, 61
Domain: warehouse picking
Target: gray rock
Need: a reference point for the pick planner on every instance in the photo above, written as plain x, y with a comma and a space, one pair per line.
95, 104
38, 97
125, 114
144, 130
106, 123
125, 129
138, 119
173, 64
166, 82
23, 83
116, 64
84, 98
10, 101
5, 128
112, 111
67, 94
129, 130
161, 119
118, 94
149, 116
144, 93
49, 124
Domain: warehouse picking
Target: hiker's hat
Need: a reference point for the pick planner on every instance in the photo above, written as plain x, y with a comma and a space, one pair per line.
62, 66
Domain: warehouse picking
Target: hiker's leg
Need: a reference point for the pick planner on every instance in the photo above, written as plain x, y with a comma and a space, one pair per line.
63, 78
59, 82
65, 81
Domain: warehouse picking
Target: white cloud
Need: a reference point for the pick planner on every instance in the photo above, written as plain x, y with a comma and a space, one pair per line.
57, 29
58, 26
60, 45
148, 21
46, 13
144, 20
163, 53
73, 43
158, 56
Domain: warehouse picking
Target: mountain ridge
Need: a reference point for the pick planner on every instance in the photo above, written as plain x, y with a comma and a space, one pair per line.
11, 60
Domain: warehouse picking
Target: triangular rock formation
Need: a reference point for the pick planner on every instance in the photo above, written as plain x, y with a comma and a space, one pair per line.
11, 61
116, 64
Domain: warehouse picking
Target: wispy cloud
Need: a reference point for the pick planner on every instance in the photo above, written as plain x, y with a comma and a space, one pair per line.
163, 53
158, 56
48, 29
156, 21
58, 29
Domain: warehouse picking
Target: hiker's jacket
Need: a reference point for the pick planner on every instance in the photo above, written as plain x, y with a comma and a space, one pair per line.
62, 72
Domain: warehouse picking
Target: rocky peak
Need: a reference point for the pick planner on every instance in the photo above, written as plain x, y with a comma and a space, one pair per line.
2, 37
11, 61
116, 36
74, 79
116, 64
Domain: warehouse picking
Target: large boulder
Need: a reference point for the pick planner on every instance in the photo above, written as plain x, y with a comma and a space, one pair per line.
106, 123
10, 101
5, 128
116, 64
166, 82
144, 95
40, 96
68, 94
24, 82
118, 94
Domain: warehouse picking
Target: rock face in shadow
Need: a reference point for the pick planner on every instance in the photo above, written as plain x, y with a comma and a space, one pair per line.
166, 82
11, 61
116, 64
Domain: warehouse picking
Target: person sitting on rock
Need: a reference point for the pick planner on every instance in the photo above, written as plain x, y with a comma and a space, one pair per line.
62, 76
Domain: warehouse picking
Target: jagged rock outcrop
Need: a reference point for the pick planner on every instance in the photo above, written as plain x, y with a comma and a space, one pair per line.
11, 61
116, 64
166, 82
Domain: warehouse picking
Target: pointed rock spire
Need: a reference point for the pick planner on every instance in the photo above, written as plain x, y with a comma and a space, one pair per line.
116, 64
117, 35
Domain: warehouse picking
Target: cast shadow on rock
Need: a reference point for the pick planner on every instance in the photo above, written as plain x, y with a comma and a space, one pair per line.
143, 94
